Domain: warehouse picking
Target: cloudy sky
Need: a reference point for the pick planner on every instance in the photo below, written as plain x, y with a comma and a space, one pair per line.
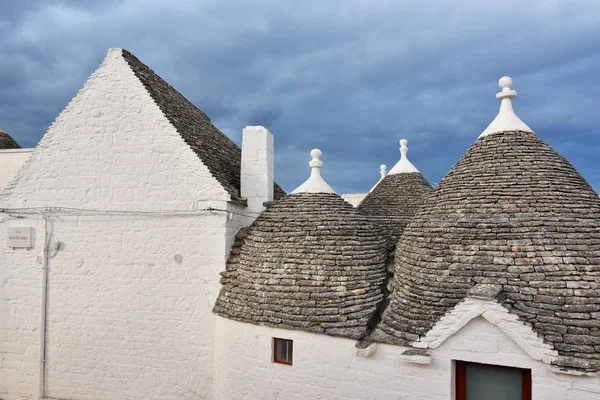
349, 77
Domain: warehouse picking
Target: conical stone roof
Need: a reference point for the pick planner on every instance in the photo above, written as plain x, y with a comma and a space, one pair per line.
6, 141
395, 199
308, 262
515, 214
311, 262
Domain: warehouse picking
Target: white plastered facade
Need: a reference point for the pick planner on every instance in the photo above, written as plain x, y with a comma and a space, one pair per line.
130, 293
11, 161
333, 368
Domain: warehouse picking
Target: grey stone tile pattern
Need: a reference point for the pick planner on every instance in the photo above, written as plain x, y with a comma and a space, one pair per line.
511, 212
219, 153
309, 262
7, 142
395, 200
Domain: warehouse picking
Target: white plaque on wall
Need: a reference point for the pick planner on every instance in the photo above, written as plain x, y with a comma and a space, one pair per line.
19, 237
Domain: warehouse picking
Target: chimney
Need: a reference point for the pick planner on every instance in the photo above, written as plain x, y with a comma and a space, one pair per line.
258, 167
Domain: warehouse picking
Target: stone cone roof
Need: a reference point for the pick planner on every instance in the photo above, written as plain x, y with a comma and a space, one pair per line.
512, 213
308, 262
395, 200
6, 141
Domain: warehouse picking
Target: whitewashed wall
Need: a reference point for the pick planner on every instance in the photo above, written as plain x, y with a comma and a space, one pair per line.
113, 148
328, 368
20, 299
125, 320
10, 162
354, 198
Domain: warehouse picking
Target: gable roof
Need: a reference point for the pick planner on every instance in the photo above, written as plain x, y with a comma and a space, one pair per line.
220, 154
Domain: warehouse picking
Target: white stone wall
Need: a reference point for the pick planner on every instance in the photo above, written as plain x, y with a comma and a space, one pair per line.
10, 162
125, 319
328, 367
354, 198
20, 299
112, 148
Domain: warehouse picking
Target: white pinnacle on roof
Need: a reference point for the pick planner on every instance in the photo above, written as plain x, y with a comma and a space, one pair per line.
2, 130
383, 172
506, 120
315, 183
403, 165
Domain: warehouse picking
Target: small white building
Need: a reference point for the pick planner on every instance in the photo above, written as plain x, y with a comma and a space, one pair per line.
115, 230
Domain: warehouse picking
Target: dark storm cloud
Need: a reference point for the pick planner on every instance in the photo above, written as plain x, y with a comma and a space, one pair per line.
350, 77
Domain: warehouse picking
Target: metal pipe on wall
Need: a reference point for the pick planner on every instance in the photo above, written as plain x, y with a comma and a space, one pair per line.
45, 258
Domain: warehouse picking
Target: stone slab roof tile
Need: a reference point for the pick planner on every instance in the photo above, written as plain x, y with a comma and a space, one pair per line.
219, 153
514, 214
308, 262
394, 201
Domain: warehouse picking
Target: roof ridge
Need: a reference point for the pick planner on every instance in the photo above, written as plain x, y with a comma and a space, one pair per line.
217, 151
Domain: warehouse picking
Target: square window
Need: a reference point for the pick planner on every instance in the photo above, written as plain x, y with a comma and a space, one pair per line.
476, 381
283, 351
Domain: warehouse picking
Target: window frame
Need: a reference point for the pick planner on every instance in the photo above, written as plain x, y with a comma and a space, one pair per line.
276, 340
460, 391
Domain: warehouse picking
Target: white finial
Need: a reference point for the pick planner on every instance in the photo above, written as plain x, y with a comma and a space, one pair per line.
315, 183
316, 158
403, 165
383, 170
506, 120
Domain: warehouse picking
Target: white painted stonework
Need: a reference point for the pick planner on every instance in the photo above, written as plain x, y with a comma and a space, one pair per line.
497, 315
11, 160
258, 167
123, 195
315, 183
403, 166
329, 368
506, 120
354, 198
123, 150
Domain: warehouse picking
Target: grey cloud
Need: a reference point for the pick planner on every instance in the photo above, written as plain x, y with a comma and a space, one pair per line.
351, 77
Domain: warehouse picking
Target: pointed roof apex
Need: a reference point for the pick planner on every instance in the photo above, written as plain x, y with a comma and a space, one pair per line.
315, 183
403, 166
2, 130
506, 120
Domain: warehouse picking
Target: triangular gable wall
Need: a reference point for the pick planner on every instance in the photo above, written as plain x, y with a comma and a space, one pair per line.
113, 148
494, 313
